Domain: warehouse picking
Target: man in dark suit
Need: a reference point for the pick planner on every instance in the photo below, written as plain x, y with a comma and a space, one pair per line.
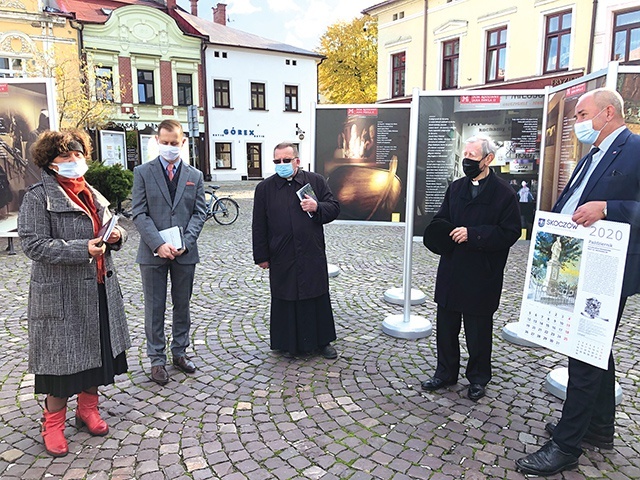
166, 193
484, 211
604, 184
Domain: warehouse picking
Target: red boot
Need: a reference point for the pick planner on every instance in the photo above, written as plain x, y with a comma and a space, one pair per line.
53, 432
87, 414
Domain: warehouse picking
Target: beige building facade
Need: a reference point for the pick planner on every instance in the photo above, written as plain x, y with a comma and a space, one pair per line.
449, 44
32, 37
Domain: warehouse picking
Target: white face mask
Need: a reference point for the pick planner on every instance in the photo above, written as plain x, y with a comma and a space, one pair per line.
585, 133
75, 169
169, 152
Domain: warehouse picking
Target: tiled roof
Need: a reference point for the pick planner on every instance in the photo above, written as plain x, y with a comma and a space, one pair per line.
91, 11
223, 35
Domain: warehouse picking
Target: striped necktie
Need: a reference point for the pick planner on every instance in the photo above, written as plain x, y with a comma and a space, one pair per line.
170, 168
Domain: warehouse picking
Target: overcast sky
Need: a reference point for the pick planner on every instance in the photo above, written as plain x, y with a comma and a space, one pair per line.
296, 22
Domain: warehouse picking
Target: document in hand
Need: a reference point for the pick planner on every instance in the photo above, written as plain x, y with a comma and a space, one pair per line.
307, 190
173, 236
105, 231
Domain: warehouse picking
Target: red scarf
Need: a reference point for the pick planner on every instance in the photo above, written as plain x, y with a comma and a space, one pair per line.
79, 193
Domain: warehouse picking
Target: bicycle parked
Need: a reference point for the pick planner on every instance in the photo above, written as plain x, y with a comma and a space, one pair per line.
224, 210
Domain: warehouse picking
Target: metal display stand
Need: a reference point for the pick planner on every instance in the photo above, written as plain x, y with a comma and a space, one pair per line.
511, 333
556, 384
333, 270
396, 296
406, 325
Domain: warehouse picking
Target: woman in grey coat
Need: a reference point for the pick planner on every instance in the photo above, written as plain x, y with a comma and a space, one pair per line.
78, 332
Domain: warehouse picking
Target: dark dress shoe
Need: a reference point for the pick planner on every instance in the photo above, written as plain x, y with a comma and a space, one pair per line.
475, 392
435, 383
329, 352
159, 375
184, 363
601, 441
549, 460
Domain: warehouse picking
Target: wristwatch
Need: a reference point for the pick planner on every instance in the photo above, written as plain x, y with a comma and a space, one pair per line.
604, 210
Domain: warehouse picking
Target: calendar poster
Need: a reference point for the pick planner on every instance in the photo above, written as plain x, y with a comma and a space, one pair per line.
573, 285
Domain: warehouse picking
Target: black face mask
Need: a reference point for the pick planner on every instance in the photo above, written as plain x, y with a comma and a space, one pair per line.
471, 168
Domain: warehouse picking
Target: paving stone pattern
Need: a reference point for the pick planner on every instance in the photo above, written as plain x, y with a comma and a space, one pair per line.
249, 413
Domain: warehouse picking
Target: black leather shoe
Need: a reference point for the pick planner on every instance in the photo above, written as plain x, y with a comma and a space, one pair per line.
475, 392
159, 375
184, 363
601, 441
435, 383
329, 352
549, 460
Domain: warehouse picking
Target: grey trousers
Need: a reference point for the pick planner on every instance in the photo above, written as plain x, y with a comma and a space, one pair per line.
154, 287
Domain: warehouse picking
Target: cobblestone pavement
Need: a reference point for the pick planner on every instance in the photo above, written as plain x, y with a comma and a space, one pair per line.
249, 413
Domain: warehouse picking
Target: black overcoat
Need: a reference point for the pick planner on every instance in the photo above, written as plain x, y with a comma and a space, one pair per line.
470, 277
290, 240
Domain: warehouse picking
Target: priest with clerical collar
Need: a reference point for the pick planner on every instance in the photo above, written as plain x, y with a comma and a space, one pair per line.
483, 210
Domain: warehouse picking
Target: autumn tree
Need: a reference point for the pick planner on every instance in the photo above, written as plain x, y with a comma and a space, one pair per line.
349, 73
81, 101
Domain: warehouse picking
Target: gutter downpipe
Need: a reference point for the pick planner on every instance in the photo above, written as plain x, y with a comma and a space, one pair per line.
594, 13
79, 27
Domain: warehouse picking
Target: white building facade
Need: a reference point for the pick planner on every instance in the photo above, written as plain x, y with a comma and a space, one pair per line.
259, 93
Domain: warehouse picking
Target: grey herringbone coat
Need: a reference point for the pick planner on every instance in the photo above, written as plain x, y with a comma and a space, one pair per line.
63, 318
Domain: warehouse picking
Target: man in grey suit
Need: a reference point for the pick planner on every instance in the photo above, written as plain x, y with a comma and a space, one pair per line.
166, 193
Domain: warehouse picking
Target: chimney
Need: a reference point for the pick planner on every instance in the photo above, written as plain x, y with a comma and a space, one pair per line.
171, 4
220, 14
194, 8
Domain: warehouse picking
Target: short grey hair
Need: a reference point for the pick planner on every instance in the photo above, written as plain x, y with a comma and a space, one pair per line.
283, 145
488, 146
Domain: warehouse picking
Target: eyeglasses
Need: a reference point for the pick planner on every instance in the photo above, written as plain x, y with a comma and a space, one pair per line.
278, 161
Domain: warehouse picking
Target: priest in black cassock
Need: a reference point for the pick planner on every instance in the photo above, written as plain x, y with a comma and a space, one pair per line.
288, 239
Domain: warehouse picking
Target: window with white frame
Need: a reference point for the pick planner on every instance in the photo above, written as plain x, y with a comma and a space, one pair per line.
11, 67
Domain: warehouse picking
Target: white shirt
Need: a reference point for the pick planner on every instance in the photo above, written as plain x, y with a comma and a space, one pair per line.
572, 203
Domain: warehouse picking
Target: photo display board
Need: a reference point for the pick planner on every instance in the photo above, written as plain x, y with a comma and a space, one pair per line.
513, 121
362, 151
562, 150
27, 108
113, 148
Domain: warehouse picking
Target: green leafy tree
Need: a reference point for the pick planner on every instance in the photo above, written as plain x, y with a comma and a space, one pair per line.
349, 73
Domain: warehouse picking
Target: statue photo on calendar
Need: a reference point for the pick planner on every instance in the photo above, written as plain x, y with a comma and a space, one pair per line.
555, 270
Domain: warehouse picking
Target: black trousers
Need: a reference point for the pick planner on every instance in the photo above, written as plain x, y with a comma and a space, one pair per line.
590, 405
478, 331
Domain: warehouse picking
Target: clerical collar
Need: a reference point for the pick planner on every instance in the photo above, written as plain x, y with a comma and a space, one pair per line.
475, 183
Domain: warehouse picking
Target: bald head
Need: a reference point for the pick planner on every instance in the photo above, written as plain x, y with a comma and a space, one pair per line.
604, 107
604, 97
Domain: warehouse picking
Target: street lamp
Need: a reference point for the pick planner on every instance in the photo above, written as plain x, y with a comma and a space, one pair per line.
134, 120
